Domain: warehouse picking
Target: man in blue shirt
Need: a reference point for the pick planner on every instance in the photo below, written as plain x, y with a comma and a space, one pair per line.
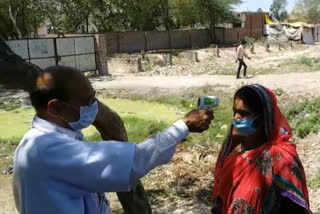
57, 172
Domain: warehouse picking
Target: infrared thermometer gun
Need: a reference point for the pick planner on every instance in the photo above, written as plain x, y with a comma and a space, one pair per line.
208, 102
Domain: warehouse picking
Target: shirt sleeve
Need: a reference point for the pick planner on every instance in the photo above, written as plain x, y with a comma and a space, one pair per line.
107, 166
238, 52
157, 150
93, 167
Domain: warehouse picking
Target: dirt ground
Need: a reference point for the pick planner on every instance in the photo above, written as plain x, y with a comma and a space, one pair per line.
206, 62
293, 83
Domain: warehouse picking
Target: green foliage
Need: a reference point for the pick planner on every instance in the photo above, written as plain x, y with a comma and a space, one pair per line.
303, 116
69, 16
19, 18
314, 183
302, 63
305, 61
249, 40
278, 9
138, 129
306, 11
212, 12
7, 147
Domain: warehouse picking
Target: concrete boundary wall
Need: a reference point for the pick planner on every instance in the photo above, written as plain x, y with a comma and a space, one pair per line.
200, 38
157, 40
231, 36
130, 42
180, 39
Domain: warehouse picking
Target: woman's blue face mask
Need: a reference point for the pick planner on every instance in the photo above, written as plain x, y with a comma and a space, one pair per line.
244, 126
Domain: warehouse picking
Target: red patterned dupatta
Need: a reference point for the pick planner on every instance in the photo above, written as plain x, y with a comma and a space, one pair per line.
253, 181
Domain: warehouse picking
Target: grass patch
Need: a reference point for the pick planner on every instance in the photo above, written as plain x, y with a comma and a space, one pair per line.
303, 60
314, 183
7, 147
14, 123
301, 64
303, 116
138, 129
144, 118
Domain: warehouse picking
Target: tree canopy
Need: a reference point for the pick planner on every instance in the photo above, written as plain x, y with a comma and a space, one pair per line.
22, 18
307, 11
278, 9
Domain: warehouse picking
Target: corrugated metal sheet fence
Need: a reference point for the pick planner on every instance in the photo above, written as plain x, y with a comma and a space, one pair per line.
77, 52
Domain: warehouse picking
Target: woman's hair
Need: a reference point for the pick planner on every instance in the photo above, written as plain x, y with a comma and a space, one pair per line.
251, 99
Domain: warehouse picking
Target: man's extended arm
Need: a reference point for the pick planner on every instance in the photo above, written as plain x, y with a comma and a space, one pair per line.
108, 166
111, 127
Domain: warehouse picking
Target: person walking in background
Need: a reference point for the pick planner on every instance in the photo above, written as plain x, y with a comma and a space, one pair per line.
239, 58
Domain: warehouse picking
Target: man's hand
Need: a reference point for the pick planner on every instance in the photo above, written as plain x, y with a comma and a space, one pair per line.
236, 61
199, 120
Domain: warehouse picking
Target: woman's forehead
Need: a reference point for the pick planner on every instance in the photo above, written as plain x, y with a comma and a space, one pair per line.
239, 104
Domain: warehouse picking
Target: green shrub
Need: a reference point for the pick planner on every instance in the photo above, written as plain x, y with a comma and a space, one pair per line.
314, 183
303, 116
305, 61
7, 148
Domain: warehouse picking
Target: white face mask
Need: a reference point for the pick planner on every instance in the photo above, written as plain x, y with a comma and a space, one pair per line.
87, 116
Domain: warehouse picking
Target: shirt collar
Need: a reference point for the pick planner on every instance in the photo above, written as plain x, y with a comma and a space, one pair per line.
48, 127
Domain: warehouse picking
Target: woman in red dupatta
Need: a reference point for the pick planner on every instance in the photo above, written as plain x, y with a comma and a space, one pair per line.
258, 170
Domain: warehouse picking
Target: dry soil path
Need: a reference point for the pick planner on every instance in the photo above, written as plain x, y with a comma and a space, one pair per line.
293, 83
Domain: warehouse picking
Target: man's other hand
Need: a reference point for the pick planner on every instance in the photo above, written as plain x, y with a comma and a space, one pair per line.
199, 120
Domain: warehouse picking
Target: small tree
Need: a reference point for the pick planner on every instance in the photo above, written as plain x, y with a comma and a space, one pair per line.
278, 9
307, 11
19, 18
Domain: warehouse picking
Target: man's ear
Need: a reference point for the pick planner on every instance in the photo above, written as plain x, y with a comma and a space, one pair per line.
55, 106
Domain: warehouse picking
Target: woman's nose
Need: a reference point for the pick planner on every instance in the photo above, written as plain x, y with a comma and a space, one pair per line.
237, 116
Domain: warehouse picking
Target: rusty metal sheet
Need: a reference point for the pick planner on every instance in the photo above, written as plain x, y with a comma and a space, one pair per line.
86, 62
44, 63
19, 47
84, 45
65, 46
40, 48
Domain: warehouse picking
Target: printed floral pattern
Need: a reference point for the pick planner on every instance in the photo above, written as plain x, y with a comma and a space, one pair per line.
241, 206
296, 169
264, 163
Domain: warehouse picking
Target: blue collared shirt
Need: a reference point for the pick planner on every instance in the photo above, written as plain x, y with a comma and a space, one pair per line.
56, 172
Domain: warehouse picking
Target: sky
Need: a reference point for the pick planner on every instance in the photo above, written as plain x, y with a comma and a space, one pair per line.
254, 5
